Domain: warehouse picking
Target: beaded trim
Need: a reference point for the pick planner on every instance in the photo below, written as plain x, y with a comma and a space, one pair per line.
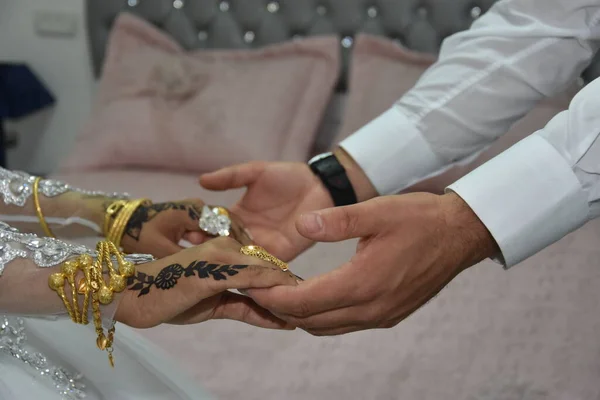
16, 187
45, 252
12, 343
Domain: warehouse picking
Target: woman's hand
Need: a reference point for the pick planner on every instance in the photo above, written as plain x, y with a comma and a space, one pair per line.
158, 228
192, 286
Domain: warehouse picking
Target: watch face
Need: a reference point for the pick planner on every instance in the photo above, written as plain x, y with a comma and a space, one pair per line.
320, 157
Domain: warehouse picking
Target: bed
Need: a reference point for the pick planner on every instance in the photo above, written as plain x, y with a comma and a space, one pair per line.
531, 333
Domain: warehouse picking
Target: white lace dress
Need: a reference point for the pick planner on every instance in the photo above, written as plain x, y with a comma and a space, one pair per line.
50, 357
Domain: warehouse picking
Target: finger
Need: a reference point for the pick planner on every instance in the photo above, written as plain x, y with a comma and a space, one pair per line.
335, 319
252, 270
340, 223
195, 238
222, 277
336, 331
244, 309
238, 231
233, 177
227, 250
327, 292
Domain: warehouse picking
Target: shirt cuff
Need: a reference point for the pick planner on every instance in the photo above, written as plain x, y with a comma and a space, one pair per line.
392, 152
528, 198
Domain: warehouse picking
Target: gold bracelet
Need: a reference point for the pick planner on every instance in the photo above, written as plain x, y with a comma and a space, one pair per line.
38, 208
111, 211
117, 230
123, 215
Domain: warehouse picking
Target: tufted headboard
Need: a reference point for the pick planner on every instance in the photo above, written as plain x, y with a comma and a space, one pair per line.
417, 24
420, 25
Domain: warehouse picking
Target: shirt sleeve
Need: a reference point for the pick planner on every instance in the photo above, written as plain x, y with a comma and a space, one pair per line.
486, 79
545, 186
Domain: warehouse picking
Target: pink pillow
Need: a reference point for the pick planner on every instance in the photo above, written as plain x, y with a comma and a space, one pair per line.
162, 107
382, 71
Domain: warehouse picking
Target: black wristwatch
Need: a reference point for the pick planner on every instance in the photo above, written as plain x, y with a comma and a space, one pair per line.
333, 175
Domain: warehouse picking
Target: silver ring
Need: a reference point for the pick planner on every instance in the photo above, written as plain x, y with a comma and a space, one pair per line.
215, 221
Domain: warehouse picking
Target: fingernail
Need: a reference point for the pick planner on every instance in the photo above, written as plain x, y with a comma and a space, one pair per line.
312, 222
249, 234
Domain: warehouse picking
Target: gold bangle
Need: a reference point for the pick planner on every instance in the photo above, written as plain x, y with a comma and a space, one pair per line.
120, 223
38, 208
123, 215
111, 211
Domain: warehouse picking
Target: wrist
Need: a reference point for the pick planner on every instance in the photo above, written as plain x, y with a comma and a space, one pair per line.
320, 191
363, 187
470, 237
73, 204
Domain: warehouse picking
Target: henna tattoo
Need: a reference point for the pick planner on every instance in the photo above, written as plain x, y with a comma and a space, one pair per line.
168, 277
145, 213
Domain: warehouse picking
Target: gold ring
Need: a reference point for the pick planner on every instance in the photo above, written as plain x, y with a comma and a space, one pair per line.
221, 211
259, 252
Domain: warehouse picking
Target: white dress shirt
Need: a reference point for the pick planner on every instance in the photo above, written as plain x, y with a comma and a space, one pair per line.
486, 79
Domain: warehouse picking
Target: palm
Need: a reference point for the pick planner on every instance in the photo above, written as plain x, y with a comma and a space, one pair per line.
274, 201
203, 311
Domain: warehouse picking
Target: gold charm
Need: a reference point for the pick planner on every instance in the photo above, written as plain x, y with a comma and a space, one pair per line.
82, 287
127, 269
56, 281
118, 283
102, 341
105, 295
69, 268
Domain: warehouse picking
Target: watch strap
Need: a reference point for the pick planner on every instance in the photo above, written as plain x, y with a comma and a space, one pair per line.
333, 175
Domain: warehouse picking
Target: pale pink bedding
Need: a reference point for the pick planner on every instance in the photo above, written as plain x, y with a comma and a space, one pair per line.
159, 106
532, 333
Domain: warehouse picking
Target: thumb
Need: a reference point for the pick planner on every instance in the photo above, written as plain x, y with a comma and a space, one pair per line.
340, 223
233, 177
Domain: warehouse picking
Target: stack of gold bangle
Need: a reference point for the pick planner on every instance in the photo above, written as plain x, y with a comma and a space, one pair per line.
117, 216
93, 287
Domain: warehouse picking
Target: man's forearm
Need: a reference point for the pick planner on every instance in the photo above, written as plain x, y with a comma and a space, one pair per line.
473, 241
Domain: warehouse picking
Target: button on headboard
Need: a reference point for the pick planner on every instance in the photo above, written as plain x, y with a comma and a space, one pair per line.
418, 24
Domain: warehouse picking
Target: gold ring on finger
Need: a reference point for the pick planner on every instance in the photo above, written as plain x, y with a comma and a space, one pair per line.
260, 253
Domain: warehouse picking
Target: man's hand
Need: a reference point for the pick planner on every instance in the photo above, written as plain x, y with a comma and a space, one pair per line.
410, 247
277, 194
